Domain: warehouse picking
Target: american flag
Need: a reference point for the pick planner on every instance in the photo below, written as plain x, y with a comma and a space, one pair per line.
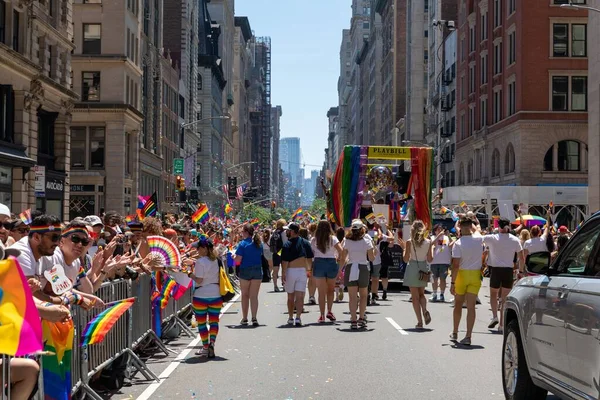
226, 190
240, 191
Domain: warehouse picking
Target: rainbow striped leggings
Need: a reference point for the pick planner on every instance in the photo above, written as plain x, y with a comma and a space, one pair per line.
207, 311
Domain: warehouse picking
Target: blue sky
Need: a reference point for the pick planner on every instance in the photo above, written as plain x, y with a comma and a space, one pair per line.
305, 39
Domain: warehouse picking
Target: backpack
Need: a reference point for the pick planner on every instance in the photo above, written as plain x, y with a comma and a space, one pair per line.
276, 242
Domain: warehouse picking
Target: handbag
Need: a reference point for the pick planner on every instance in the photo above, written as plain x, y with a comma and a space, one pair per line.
423, 275
225, 287
265, 269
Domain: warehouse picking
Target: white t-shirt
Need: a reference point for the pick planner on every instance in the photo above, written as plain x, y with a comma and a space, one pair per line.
46, 264
536, 245
29, 265
330, 253
470, 251
209, 272
441, 252
357, 249
419, 253
503, 247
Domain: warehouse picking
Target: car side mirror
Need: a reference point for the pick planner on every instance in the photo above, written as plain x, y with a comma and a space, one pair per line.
538, 263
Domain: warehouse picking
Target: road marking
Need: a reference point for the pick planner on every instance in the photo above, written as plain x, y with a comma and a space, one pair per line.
396, 326
146, 394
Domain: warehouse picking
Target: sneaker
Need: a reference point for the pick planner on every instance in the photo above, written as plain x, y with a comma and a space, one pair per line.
203, 352
298, 322
330, 316
244, 322
454, 336
312, 301
375, 296
341, 295
255, 322
276, 289
211, 350
493, 323
374, 303
384, 295
466, 341
321, 319
478, 301
433, 298
290, 321
368, 301
442, 299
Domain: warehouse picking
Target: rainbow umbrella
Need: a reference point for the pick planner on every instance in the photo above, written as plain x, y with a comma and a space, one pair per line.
530, 220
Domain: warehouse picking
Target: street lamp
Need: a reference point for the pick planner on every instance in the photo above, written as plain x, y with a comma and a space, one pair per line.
579, 7
188, 124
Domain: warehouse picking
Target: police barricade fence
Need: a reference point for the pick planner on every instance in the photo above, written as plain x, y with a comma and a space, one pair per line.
129, 332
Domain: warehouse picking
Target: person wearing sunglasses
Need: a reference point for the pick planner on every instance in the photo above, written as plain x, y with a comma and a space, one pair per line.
17, 230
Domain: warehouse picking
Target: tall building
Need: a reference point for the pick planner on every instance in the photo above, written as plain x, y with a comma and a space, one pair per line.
289, 159
109, 118
522, 94
344, 89
260, 111
276, 114
393, 68
446, 110
594, 114
36, 105
332, 138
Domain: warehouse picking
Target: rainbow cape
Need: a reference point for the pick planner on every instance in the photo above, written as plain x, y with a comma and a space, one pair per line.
20, 327
97, 328
201, 215
58, 339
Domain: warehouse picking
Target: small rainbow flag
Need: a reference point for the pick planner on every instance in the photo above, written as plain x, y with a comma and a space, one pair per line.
443, 210
150, 207
162, 295
228, 208
96, 329
201, 215
58, 339
130, 218
297, 214
25, 216
254, 221
20, 327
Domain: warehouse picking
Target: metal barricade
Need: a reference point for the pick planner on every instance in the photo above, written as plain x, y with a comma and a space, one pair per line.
141, 330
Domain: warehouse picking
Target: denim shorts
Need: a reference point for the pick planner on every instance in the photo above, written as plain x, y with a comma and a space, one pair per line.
440, 270
325, 268
251, 273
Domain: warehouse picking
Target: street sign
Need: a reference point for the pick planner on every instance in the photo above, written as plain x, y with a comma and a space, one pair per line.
178, 166
484, 201
170, 199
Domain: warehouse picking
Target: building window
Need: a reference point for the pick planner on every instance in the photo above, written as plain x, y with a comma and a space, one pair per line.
484, 26
562, 86
78, 148
97, 140
483, 113
472, 79
497, 106
579, 40
498, 58
7, 113
561, 40
90, 86
16, 30
461, 174
463, 49
484, 69
568, 156
512, 98
471, 120
512, 48
2, 21
509, 159
366, 25
512, 6
199, 82
497, 13
462, 88
472, 39
470, 171
92, 39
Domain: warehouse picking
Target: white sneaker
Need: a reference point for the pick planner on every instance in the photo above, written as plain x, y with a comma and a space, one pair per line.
493, 323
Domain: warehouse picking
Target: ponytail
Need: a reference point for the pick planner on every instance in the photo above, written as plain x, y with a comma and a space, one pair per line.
256, 240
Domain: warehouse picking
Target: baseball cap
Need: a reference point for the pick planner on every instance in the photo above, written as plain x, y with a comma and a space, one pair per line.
503, 223
93, 220
4, 210
292, 227
357, 224
563, 229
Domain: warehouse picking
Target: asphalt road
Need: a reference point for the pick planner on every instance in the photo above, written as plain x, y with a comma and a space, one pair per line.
390, 360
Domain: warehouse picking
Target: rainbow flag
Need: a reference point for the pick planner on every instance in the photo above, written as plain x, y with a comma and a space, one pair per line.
162, 295
58, 339
151, 206
201, 215
254, 222
25, 216
20, 327
228, 208
130, 218
297, 214
97, 328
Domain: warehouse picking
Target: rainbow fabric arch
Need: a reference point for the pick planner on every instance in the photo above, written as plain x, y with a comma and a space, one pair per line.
350, 176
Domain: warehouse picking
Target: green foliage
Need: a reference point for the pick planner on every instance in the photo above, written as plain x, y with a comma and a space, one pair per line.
264, 214
318, 207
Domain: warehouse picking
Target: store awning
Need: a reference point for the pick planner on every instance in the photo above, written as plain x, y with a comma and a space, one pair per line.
15, 157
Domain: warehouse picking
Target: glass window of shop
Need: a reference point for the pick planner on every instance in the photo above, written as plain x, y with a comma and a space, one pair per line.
6, 186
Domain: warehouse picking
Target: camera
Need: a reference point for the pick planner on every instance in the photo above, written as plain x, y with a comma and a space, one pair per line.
131, 273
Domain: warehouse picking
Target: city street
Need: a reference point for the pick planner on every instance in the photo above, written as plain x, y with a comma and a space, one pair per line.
327, 361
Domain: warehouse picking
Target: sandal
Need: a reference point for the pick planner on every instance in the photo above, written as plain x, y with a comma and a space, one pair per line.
353, 325
244, 322
255, 322
419, 325
427, 318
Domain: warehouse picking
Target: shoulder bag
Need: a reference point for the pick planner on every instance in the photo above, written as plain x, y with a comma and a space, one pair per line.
423, 275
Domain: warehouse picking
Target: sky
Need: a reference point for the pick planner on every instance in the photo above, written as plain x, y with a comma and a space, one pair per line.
305, 45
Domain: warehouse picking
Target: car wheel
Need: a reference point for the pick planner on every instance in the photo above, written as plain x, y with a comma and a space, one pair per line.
516, 380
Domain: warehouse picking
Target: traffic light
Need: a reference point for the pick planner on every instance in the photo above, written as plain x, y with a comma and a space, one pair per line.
182, 187
273, 205
178, 181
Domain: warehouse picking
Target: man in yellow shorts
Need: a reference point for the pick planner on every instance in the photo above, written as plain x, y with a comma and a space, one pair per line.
466, 277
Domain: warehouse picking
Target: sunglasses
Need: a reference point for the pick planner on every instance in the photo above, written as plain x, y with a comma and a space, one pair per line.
55, 237
7, 225
23, 231
77, 240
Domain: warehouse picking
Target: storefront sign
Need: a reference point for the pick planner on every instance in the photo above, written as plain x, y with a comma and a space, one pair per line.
83, 188
55, 188
40, 180
389, 153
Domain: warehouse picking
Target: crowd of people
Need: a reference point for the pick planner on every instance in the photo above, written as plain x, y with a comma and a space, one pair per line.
301, 255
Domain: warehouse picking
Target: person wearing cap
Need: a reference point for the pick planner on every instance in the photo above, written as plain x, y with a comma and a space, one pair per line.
358, 247
207, 301
502, 248
17, 231
442, 257
296, 261
4, 217
248, 256
276, 242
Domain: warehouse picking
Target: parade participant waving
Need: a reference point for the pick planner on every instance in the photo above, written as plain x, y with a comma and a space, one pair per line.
249, 257
324, 246
296, 262
207, 302
359, 248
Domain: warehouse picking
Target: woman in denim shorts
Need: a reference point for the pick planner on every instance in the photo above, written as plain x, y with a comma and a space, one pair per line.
249, 257
325, 268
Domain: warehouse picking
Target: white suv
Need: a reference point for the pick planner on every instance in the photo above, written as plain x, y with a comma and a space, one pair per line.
552, 323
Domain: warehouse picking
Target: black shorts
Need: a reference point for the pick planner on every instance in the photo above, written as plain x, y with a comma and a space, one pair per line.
501, 277
276, 260
383, 272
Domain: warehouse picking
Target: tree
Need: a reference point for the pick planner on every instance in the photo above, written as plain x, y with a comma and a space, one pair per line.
318, 207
